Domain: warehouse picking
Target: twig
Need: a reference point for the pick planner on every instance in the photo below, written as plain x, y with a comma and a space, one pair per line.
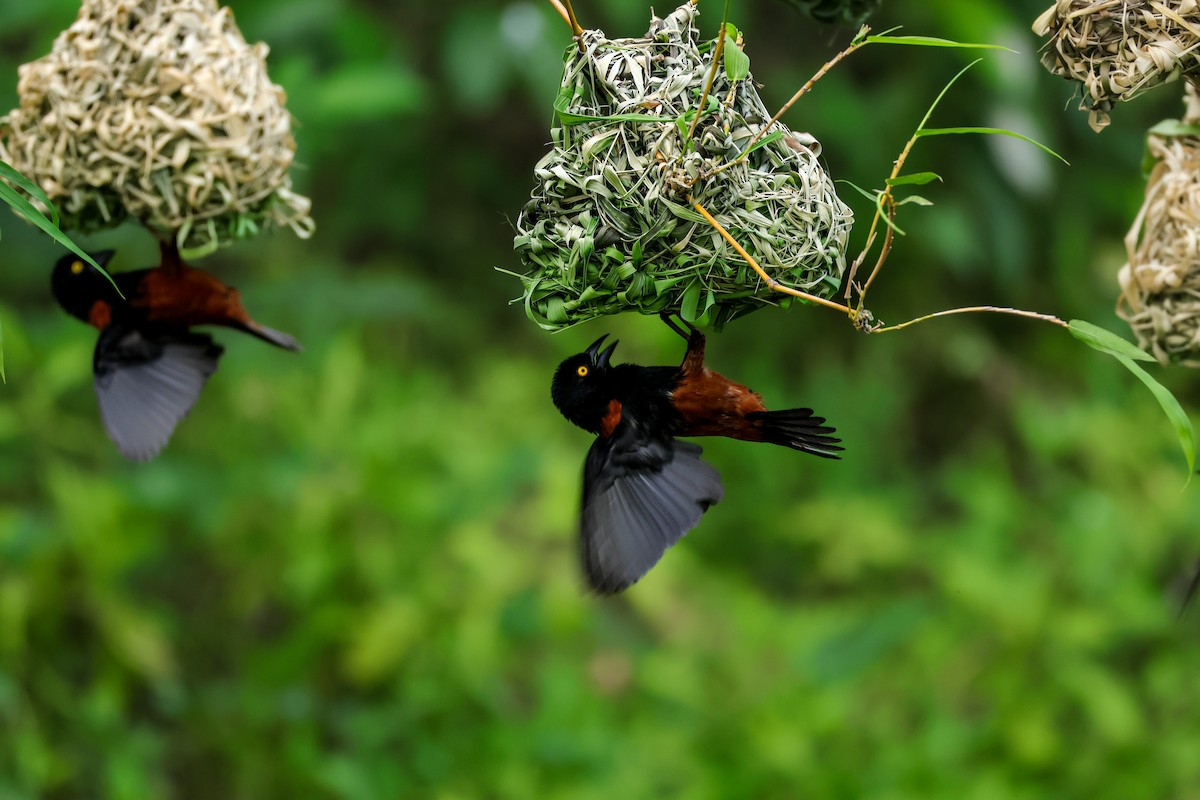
771, 282
562, 12
576, 29
859, 42
712, 74
973, 309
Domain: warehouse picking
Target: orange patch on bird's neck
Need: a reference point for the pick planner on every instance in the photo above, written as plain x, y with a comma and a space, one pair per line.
612, 419
100, 314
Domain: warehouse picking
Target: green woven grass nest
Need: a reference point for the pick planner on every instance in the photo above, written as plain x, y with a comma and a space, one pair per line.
157, 110
609, 227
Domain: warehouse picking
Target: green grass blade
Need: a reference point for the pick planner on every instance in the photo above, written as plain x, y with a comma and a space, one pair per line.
915, 179
990, 131
941, 94
932, 41
30, 212
3, 377
9, 173
1106, 341
1174, 411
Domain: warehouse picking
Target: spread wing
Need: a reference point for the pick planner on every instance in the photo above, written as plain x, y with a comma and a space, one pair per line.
147, 379
640, 496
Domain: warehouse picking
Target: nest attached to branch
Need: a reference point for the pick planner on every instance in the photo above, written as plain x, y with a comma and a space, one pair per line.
837, 12
609, 227
1160, 285
157, 110
1117, 49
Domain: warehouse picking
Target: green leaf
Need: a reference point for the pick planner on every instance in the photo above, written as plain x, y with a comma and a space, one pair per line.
994, 131
1174, 127
737, 63
1125, 352
914, 199
1175, 413
1106, 341
9, 173
915, 179
933, 41
1168, 127
689, 304
3, 377
574, 118
30, 212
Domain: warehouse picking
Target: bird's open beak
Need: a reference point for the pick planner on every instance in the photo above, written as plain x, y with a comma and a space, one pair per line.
600, 358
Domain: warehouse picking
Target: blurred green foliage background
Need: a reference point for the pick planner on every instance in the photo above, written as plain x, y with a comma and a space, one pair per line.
352, 574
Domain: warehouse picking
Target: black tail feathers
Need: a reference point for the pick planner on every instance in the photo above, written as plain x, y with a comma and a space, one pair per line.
798, 429
272, 336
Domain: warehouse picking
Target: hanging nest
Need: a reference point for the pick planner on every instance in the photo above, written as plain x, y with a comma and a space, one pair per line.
609, 227
160, 111
1160, 286
837, 12
1117, 49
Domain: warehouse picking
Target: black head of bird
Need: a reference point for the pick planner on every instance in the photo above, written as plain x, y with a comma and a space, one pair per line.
77, 285
581, 390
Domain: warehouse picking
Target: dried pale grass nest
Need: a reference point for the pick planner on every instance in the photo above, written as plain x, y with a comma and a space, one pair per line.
609, 227
1160, 285
157, 110
1118, 49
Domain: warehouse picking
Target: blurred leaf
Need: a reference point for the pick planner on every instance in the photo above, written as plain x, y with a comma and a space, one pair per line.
370, 91
135, 639
1168, 127
381, 639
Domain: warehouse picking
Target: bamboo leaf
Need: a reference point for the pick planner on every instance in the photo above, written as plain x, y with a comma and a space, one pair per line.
915, 179
990, 131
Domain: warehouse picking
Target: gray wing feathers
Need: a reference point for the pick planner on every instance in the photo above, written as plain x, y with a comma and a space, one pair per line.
640, 508
141, 403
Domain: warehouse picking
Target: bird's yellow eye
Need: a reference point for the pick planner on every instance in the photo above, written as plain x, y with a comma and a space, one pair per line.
76, 267
582, 371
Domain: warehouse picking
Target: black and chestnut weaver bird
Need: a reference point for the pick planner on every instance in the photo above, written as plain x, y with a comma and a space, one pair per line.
149, 367
643, 489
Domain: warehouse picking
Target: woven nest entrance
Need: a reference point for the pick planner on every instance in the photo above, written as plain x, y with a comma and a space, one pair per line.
1118, 49
1160, 285
157, 110
609, 227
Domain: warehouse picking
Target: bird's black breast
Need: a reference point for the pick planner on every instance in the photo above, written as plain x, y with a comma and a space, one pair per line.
645, 394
